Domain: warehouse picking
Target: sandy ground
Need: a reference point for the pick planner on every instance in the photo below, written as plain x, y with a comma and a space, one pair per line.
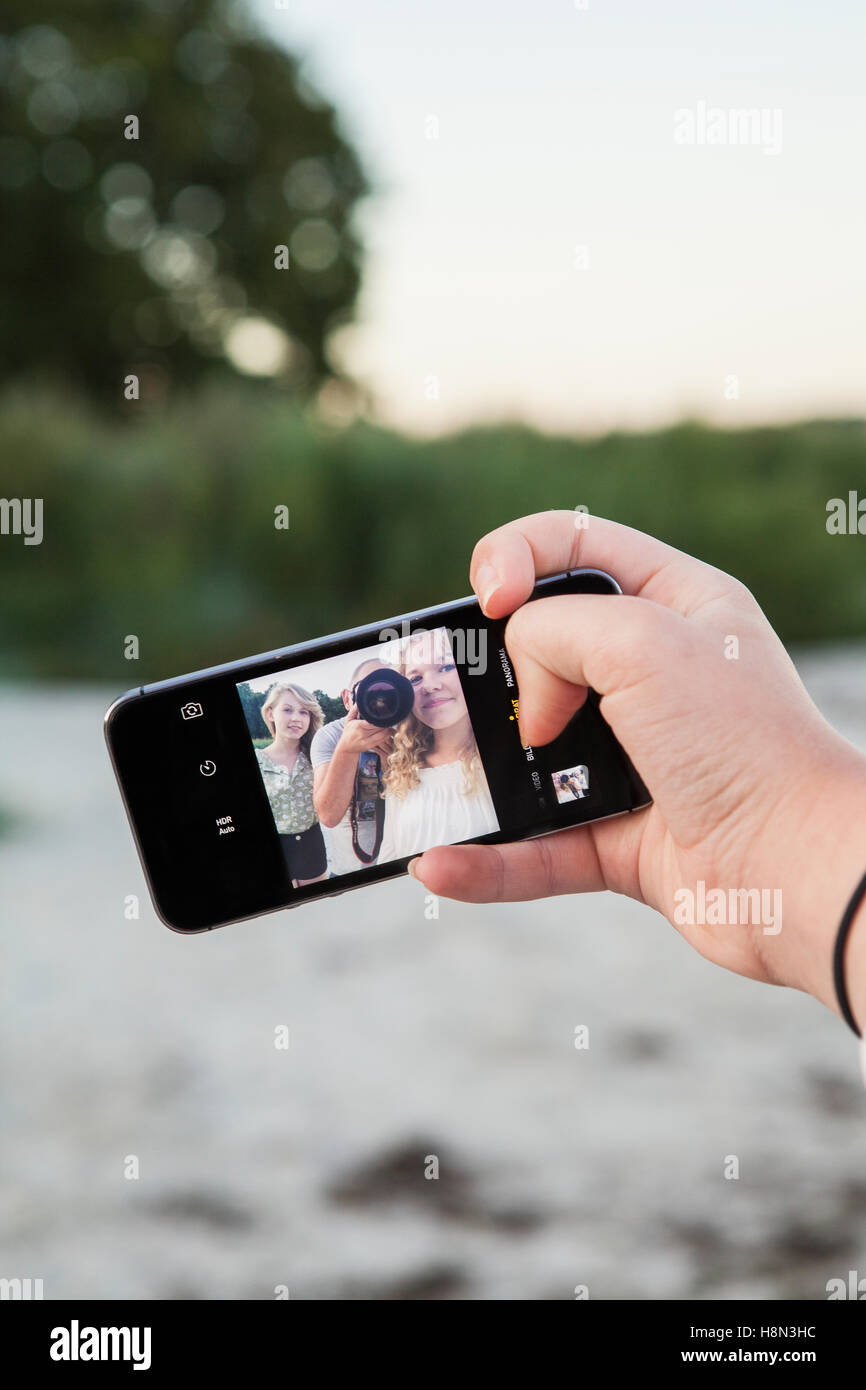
409, 1038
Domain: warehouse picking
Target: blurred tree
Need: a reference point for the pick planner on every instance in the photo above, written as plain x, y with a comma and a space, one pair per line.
252, 701
147, 245
332, 705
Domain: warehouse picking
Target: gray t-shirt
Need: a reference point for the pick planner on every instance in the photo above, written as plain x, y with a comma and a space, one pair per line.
342, 859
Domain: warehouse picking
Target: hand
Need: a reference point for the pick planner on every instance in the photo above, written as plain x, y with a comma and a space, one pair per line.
360, 737
752, 789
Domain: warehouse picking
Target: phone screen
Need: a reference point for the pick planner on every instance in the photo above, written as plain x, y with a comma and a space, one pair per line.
298, 774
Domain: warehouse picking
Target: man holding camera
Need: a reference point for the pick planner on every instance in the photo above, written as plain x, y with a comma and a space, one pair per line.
335, 754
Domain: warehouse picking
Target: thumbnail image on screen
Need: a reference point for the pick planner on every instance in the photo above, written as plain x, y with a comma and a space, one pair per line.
571, 784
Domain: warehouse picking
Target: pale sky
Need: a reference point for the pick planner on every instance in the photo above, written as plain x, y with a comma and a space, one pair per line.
556, 255
335, 674
332, 676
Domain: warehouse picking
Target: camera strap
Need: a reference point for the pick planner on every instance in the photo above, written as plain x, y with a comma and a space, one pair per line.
368, 808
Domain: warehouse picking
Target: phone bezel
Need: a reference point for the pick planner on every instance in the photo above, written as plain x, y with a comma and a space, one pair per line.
290, 655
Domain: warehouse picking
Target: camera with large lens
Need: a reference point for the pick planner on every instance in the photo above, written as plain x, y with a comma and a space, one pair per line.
384, 698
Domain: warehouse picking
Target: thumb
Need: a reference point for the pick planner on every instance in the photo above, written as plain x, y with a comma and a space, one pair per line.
559, 646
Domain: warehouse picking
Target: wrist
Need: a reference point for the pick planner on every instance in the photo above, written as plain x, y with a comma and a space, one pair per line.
825, 860
343, 753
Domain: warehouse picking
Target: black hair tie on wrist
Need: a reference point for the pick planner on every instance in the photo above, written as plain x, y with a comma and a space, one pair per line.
839, 955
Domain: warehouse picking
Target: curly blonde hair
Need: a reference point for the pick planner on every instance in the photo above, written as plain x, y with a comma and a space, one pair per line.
413, 740
305, 700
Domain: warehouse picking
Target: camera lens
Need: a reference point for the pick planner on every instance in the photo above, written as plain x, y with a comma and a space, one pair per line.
384, 698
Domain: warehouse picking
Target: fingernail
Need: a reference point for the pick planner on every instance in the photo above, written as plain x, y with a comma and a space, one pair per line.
487, 581
410, 867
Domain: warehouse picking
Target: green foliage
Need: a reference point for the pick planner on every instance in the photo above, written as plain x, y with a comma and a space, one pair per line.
143, 256
167, 530
332, 705
252, 701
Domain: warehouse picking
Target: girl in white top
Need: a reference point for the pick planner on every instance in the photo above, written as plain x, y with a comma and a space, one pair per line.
436, 792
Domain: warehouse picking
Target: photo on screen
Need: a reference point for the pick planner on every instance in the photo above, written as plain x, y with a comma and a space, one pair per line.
368, 757
571, 784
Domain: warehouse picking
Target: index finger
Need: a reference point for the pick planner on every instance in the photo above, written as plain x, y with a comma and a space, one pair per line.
506, 562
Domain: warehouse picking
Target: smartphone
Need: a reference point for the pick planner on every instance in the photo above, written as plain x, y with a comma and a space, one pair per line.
270, 782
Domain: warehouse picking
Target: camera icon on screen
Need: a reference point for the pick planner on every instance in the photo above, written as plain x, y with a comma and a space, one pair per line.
191, 710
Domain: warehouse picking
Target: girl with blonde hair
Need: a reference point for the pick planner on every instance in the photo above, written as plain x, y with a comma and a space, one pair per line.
435, 788
293, 716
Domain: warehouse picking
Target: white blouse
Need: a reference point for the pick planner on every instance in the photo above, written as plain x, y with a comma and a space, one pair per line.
436, 813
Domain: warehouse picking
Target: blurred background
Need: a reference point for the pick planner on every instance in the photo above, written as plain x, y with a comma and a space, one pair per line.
396, 277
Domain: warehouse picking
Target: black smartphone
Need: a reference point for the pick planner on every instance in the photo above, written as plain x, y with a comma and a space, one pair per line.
301, 773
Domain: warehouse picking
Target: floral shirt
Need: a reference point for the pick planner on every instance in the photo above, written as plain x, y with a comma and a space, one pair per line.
290, 793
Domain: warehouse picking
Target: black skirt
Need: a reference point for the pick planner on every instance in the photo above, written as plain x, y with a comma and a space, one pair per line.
305, 854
